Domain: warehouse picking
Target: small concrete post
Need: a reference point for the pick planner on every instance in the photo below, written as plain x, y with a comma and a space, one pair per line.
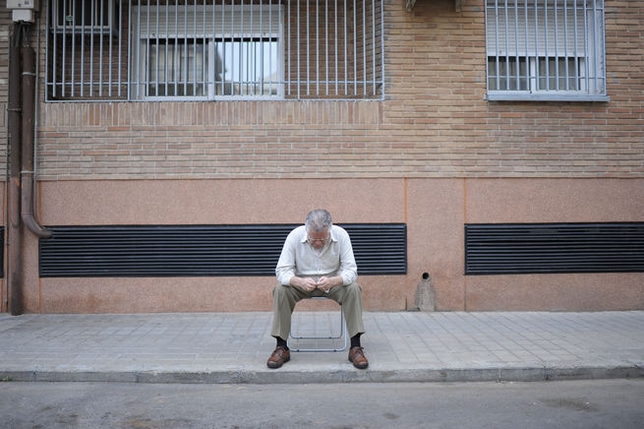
425, 294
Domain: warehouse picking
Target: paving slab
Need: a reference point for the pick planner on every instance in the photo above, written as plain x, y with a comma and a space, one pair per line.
400, 346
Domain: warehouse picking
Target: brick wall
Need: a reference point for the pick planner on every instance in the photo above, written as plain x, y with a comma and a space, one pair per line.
434, 144
434, 121
5, 16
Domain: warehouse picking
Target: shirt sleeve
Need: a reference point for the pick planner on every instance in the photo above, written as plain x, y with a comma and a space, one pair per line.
348, 268
285, 269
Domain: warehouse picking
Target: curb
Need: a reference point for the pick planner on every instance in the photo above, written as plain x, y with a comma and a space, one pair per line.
528, 374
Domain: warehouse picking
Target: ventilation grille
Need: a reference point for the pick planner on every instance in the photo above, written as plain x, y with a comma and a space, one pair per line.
201, 250
554, 248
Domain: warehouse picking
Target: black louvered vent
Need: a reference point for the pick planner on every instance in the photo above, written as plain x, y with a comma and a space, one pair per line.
201, 250
554, 248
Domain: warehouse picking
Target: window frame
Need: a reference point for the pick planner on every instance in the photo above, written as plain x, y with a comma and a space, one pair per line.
209, 38
529, 33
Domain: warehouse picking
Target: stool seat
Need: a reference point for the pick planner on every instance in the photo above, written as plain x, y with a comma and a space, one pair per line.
342, 334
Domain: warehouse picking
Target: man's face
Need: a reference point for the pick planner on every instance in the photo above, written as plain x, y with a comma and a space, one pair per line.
318, 239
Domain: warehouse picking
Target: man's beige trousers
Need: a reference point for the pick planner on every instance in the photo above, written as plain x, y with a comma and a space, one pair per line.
285, 298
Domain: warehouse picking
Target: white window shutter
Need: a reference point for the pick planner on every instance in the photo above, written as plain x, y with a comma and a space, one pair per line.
528, 32
208, 21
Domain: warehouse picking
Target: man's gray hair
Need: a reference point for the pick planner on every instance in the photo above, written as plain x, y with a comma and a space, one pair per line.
318, 220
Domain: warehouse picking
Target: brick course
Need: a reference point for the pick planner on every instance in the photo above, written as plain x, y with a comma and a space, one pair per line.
434, 121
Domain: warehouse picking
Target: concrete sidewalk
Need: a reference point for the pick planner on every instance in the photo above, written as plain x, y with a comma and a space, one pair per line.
401, 347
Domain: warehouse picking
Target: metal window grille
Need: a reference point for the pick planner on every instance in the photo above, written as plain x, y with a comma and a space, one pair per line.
214, 49
86, 50
545, 49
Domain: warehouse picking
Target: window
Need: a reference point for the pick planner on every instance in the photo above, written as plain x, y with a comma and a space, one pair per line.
175, 68
207, 51
215, 49
549, 50
86, 50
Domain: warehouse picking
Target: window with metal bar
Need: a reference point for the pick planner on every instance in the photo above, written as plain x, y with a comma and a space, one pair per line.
545, 50
87, 53
175, 68
214, 49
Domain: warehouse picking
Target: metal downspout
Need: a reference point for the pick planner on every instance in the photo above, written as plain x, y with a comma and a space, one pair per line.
14, 233
20, 159
27, 173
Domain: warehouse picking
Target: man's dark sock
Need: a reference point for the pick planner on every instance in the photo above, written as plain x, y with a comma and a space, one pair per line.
281, 342
355, 341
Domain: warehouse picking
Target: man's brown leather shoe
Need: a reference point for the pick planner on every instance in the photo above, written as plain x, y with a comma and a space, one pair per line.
279, 357
357, 357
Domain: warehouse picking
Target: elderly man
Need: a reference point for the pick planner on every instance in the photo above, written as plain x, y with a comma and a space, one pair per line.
317, 260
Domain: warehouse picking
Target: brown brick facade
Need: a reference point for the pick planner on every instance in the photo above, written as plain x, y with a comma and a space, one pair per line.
434, 121
431, 154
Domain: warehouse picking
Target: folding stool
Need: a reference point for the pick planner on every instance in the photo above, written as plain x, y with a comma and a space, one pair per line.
342, 334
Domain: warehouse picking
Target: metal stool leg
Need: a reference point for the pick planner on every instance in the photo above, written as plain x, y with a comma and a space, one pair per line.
342, 334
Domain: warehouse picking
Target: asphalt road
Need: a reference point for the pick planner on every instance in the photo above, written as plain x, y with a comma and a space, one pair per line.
561, 404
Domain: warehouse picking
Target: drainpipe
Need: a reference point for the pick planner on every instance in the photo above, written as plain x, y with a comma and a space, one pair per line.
20, 159
14, 234
27, 172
